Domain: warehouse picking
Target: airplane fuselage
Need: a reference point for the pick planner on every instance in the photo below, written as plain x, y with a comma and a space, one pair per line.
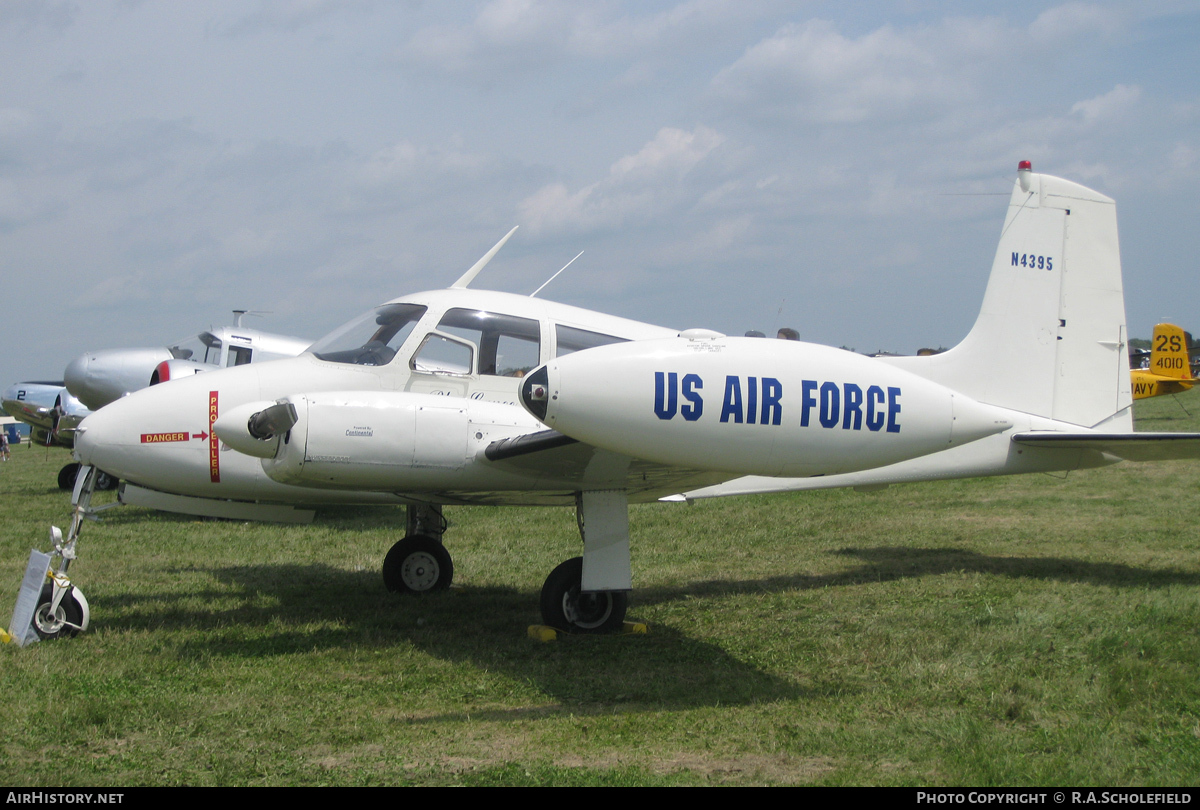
418, 400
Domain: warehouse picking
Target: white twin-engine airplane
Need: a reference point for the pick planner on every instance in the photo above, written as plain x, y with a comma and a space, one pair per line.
461, 396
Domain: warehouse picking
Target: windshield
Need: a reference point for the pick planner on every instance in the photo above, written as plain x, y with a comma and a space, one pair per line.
202, 348
371, 339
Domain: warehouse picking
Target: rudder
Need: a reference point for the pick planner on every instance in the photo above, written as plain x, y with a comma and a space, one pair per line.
1050, 336
1169, 352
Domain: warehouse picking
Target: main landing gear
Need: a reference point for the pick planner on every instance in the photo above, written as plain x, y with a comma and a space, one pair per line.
566, 606
588, 594
420, 563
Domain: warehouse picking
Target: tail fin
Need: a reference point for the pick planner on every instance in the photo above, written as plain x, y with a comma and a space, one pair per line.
1050, 337
1169, 352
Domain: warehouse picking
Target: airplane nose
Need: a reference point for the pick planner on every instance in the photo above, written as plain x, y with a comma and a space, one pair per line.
86, 441
117, 437
76, 375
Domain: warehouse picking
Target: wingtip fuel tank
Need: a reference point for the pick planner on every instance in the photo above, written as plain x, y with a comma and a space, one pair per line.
752, 406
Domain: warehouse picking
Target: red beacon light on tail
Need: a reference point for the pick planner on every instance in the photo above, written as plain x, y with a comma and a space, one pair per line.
1024, 170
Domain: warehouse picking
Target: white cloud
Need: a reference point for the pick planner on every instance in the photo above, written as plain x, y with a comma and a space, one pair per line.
292, 15
405, 160
525, 33
27, 14
1183, 156
644, 184
811, 72
1113, 104
1073, 20
14, 121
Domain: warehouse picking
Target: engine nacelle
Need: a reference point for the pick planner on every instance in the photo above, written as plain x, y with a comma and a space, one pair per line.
381, 441
238, 428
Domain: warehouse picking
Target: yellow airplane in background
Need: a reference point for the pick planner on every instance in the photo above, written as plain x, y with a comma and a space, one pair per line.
1170, 370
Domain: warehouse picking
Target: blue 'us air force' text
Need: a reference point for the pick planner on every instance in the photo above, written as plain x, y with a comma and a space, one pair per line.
755, 400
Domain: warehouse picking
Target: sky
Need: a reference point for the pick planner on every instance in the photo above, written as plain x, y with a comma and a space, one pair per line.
841, 168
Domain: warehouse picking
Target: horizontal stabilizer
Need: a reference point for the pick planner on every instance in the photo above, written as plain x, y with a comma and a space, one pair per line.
1127, 446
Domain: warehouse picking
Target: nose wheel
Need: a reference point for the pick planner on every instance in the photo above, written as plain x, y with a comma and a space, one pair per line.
61, 621
566, 606
68, 474
417, 564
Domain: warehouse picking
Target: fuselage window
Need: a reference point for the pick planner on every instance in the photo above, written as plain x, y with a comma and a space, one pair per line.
508, 346
371, 339
239, 355
571, 340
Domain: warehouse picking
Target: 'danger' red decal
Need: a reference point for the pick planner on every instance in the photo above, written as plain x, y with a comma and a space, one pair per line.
155, 438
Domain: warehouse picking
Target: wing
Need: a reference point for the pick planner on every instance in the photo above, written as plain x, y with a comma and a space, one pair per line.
564, 466
1007, 454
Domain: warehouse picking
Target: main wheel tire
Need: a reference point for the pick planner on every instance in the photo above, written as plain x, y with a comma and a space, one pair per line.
417, 564
62, 623
67, 475
566, 606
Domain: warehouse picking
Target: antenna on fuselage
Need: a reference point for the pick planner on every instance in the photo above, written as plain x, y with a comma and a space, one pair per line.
238, 314
469, 276
547, 281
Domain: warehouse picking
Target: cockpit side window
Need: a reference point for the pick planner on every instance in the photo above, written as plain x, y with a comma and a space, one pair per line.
372, 339
239, 355
570, 340
508, 346
444, 354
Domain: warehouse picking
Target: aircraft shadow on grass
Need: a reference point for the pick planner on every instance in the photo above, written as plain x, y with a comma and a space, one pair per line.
295, 609
888, 563
291, 609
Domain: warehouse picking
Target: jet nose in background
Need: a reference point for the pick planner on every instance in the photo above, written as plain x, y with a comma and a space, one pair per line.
98, 378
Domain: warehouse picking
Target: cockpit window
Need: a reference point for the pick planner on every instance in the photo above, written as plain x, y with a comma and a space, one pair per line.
202, 348
371, 339
443, 354
571, 340
508, 346
240, 355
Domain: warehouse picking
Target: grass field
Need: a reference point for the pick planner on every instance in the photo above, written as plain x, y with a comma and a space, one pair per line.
1019, 631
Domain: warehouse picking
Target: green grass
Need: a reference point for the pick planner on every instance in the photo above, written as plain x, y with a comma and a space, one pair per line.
1017, 631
